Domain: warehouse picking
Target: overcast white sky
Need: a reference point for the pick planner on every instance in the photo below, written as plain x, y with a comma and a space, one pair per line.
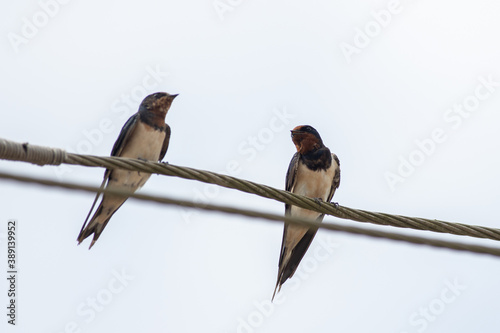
406, 93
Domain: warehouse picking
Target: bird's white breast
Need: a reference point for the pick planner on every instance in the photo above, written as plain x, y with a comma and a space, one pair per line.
144, 143
313, 184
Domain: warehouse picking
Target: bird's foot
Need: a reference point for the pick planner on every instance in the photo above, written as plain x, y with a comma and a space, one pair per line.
164, 162
318, 200
336, 204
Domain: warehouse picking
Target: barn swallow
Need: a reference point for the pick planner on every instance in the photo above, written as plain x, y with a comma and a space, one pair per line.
313, 172
145, 136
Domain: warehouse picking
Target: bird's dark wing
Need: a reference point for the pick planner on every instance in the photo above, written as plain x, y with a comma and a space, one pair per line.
335, 183
124, 136
297, 253
336, 177
166, 141
290, 178
286, 271
122, 140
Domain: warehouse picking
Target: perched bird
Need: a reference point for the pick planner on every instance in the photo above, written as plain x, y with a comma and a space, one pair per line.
313, 172
145, 136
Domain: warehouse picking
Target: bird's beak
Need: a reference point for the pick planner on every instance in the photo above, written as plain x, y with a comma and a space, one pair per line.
174, 96
295, 132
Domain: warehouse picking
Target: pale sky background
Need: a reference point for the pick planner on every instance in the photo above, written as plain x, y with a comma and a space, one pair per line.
246, 75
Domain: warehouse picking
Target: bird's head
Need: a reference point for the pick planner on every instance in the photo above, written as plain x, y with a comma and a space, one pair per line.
158, 103
306, 139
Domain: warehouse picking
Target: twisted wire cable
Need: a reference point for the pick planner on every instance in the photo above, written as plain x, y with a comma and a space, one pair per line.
53, 156
479, 249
